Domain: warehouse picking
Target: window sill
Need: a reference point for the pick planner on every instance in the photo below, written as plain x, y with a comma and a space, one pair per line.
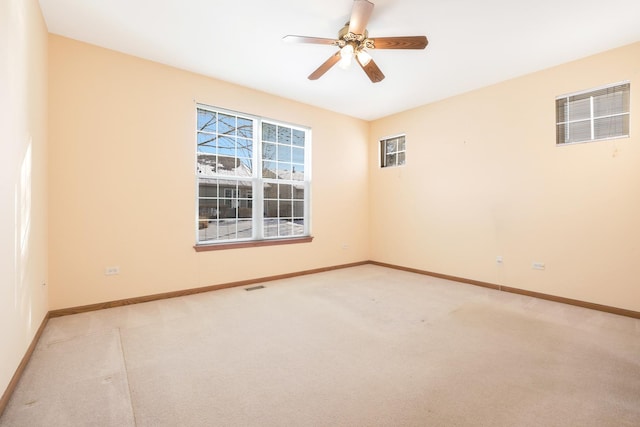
251, 244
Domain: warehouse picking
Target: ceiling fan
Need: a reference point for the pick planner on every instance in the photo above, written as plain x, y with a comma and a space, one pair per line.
353, 41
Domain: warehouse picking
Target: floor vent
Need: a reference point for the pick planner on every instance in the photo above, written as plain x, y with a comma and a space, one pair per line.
254, 288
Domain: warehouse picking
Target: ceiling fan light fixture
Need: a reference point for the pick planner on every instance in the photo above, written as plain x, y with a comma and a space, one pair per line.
346, 56
353, 40
364, 58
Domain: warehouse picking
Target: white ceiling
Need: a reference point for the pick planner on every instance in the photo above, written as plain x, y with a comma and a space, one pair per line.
471, 43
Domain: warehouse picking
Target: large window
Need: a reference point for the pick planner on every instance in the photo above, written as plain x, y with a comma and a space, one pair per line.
593, 115
253, 178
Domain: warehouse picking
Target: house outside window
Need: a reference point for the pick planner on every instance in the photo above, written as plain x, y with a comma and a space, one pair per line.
393, 151
253, 178
593, 115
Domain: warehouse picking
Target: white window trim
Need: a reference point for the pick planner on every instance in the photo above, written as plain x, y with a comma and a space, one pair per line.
386, 138
593, 118
257, 181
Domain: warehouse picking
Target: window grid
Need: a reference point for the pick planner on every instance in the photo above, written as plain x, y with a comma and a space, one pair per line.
283, 175
237, 202
393, 151
593, 115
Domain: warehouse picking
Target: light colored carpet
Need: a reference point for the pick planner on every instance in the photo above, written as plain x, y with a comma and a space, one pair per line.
364, 346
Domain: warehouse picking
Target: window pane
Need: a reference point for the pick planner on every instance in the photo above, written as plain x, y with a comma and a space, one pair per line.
297, 172
401, 158
561, 110
284, 135
391, 160
401, 144
207, 230
298, 192
298, 227
227, 229
208, 209
208, 189
207, 142
270, 228
283, 170
290, 228
269, 151
206, 120
245, 167
391, 146
298, 209
226, 165
561, 134
284, 153
269, 169
226, 125
579, 109
244, 211
612, 102
207, 164
271, 208
297, 155
579, 131
245, 127
285, 208
270, 191
269, 132
227, 146
298, 138
285, 228
245, 229
609, 127
285, 191
227, 208
245, 147
224, 199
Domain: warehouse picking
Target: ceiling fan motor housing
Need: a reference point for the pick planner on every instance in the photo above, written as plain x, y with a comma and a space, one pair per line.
357, 40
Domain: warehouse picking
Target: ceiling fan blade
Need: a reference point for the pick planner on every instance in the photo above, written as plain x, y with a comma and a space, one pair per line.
372, 70
360, 15
325, 66
312, 40
409, 42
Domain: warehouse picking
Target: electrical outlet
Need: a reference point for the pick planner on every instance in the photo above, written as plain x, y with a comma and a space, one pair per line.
538, 265
345, 246
111, 271
499, 259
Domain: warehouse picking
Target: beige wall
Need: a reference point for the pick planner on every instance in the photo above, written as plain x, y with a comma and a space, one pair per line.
484, 178
23, 196
122, 182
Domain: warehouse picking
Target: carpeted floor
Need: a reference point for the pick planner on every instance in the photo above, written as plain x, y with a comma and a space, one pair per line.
364, 346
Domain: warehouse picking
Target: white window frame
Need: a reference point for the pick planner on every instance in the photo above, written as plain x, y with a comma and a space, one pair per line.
565, 124
256, 195
382, 151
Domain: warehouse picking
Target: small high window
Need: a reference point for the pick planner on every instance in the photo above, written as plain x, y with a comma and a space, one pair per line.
393, 151
593, 115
